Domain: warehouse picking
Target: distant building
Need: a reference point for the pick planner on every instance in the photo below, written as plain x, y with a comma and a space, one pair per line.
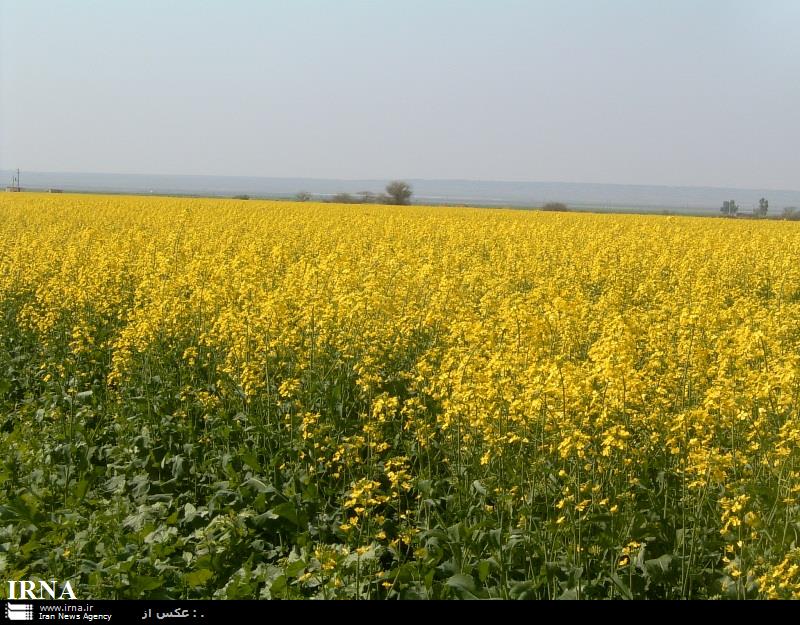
13, 189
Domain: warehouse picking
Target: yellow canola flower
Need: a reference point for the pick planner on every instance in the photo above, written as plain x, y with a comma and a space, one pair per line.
577, 358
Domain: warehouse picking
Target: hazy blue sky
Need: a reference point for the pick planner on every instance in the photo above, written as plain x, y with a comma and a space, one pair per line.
627, 91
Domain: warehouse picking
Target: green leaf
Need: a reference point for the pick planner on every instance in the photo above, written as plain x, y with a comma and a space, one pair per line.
570, 594
311, 493
621, 586
143, 583
197, 578
294, 569
81, 488
278, 587
259, 486
462, 583
523, 590
262, 519
287, 511
405, 573
484, 567
658, 565
28, 547
249, 458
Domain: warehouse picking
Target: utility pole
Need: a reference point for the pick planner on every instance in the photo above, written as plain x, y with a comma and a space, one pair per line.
14, 182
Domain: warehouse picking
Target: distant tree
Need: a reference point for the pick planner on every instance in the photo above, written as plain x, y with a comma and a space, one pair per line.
763, 207
303, 196
729, 208
559, 207
399, 192
368, 197
344, 198
241, 197
791, 213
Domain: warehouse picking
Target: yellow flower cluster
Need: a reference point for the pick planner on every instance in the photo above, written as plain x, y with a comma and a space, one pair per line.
584, 362
783, 580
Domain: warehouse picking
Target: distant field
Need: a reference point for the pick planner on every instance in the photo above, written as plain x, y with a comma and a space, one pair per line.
243, 399
579, 196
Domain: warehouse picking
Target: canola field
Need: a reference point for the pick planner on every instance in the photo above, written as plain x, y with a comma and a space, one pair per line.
247, 399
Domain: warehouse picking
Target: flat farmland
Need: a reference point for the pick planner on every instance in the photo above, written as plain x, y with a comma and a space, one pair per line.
254, 399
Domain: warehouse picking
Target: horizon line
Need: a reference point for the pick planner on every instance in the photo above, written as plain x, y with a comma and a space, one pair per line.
411, 178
